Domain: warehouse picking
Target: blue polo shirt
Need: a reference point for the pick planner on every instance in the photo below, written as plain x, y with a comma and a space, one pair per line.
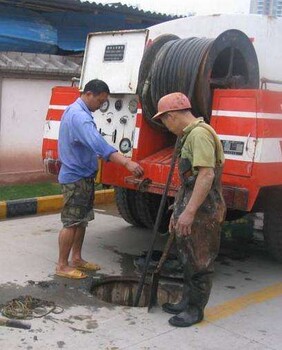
80, 144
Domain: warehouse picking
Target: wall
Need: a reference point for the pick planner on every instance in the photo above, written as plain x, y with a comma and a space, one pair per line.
23, 108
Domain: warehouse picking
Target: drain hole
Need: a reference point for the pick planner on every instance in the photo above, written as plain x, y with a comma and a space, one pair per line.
122, 291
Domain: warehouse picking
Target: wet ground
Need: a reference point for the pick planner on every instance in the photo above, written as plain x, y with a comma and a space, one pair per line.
243, 312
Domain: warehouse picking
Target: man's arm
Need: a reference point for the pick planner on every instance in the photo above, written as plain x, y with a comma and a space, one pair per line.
89, 135
201, 189
133, 167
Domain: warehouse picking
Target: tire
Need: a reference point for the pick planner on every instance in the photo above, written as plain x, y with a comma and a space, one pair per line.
126, 204
272, 231
147, 205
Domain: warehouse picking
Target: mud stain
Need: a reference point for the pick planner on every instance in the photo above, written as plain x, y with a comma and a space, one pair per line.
60, 344
82, 331
92, 324
126, 260
81, 317
66, 320
63, 293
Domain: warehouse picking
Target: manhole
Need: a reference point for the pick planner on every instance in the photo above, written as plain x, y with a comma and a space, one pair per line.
119, 290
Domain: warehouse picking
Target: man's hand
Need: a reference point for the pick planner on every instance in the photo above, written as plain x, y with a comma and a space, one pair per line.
134, 168
201, 189
184, 223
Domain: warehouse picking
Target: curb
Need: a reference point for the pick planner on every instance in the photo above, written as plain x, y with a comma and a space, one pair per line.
44, 205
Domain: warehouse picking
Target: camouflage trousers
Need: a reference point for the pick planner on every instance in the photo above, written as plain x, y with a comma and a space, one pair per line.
199, 250
78, 202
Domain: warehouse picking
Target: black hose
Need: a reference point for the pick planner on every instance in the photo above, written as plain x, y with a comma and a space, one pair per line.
175, 68
195, 66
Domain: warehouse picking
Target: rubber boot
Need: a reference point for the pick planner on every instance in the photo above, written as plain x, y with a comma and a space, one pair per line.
187, 318
175, 309
200, 287
184, 302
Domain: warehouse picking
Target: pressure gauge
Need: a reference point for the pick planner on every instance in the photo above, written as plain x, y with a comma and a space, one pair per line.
132, 106
123, 120
118, 105
105, 106
125, 145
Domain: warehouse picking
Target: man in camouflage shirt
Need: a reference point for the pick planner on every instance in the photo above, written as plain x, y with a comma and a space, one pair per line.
199, 208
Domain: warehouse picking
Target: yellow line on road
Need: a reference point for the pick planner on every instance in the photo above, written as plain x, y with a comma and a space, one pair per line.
233, 306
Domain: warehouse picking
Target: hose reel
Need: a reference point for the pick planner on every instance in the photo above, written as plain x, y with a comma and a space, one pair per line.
195, 67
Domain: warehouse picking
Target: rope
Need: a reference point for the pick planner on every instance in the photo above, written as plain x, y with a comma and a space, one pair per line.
27, 307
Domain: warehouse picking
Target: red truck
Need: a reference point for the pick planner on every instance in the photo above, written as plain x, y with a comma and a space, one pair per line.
221, 75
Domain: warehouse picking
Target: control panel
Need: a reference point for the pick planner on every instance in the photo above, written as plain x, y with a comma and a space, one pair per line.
116, 120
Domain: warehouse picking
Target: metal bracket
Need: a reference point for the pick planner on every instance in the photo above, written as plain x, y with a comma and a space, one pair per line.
143, 185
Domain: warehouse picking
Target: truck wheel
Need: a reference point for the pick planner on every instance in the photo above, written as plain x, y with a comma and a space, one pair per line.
126, 204
147, 205
272, 231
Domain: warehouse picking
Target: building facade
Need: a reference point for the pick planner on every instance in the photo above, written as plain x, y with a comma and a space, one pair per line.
26, 82
267, 7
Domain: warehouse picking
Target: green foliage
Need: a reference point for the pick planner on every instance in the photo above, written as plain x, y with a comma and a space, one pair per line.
10, 192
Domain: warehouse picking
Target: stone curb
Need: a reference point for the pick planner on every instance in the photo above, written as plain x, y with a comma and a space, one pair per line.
44, 205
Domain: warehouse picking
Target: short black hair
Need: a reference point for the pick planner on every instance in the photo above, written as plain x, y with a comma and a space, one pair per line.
96, 86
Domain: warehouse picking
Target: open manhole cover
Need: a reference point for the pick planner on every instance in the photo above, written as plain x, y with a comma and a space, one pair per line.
122, 291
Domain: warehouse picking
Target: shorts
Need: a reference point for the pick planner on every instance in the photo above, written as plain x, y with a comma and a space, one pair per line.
78, 202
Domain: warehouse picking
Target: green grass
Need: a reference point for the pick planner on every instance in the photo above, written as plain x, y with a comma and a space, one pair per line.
10, 192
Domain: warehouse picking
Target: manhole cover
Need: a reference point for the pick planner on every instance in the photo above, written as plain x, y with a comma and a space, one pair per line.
122, 291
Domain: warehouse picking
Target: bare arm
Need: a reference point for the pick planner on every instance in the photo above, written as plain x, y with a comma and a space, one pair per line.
201, 189
133, 167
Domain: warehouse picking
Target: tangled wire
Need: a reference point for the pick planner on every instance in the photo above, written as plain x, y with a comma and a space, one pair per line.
27, 307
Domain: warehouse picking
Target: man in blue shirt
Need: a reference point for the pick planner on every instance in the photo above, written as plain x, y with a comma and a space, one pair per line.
80, 145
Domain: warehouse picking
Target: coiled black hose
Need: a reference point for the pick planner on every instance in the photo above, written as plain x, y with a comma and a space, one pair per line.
195, 66
176, 67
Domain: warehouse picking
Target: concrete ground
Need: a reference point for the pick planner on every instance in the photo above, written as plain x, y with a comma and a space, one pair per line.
244, 311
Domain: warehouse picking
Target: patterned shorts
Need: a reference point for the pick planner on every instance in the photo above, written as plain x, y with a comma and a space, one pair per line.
78, 202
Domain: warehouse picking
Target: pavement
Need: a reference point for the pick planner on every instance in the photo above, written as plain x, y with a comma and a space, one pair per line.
244, 311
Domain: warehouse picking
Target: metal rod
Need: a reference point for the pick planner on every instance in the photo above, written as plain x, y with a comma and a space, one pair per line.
157, 224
